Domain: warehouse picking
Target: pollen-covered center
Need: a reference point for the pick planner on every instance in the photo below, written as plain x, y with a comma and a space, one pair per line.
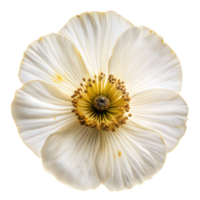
101, 103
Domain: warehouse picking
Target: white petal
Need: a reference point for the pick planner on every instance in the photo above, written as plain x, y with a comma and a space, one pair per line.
70, 156
162, 110
129, 156
39, 110
55, 60
144, 61
95, 34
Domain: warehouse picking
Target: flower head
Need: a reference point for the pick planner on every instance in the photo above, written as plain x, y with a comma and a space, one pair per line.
100, 102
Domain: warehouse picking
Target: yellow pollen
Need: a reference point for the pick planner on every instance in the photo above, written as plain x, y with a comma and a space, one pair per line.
59, 77
101, 103
119, 153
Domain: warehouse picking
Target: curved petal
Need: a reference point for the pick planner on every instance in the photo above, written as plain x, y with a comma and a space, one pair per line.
39, 110
69, 155
55, 60
144, 61
129, 156
161, 110
95, 34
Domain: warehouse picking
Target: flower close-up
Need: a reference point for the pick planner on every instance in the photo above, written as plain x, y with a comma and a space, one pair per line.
100, 102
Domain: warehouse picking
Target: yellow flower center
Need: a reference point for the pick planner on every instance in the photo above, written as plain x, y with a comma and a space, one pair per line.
101, 103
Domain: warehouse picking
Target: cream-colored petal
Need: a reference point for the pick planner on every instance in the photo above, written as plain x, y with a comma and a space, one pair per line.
39, 110
144, 61
95, 34
129, 156
161, 110
55, 60
69, 155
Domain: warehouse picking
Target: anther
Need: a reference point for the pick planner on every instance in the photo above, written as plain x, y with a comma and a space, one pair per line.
79, 117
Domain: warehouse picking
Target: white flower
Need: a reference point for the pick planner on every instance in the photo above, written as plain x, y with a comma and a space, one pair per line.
100, 102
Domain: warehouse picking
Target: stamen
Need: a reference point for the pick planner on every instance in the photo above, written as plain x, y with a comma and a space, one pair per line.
101, 103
